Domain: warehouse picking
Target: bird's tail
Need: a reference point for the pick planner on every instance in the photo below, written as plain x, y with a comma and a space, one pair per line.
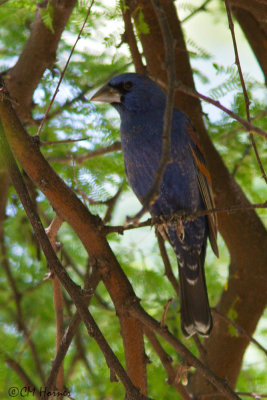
195, 310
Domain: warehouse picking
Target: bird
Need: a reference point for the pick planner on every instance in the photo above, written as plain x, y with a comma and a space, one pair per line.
185, 185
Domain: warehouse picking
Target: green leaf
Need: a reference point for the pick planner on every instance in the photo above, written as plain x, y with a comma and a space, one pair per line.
47, 16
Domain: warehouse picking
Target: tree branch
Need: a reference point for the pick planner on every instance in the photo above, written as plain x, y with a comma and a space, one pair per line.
246, 98
73, 290
23, 376
239, 329
167, 119
202, 7
129, 37
184, 215
152, 324
80, 158
22, 326
168, 268
248, 126
90, 286
65, 68
38, 54
51, 232
167, 364
87, 226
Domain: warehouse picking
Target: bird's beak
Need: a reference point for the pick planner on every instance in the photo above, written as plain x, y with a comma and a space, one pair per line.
107, 94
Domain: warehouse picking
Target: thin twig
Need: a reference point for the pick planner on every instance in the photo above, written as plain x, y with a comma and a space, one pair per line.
137, 312
249, 127
51, 232
82, 194
67, 104
64, 69
30, 388
111, 203
246, 394
169, 45
196, 11
53, 142
90, 286
239, 162
239, 329
247, 101
166, 361
168, 269
238, 129
22, 326
165, 310
252, 394
184, 215
80, 158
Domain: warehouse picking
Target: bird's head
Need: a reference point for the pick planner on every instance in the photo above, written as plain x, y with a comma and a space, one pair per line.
131, 92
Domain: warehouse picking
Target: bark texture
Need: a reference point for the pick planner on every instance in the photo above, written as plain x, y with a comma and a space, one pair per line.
39, 53
254, 27
243, 232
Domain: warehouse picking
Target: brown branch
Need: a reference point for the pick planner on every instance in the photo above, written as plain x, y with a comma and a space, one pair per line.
66, 105
87, 226
165, 310
51, 232
243, 156
73, 290
53, 142
252, 394
249, 127
239, 129
168, 269
251, 16
239, 329
68, 262
26, 380
212, 395
18, 297
90, 286
165, 158
111, 203
246, 98
80, 158
200, 347
129, 37
184, 215
166, 362
247, 241
65, 68
152, 324
38, 54
202, 7
16, 293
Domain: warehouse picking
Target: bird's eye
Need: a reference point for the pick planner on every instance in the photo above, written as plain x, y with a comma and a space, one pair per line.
127, 85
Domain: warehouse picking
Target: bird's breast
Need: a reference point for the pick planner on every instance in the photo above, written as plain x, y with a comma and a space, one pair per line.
142, 146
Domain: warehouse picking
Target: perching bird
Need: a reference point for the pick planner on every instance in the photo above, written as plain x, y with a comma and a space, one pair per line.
185, 185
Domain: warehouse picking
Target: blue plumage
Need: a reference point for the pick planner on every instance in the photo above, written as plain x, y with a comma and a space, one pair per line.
185, 184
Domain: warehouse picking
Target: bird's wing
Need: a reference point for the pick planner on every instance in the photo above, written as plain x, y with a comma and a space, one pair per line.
204, 183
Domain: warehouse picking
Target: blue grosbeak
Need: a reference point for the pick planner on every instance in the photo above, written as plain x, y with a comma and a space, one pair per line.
186, 184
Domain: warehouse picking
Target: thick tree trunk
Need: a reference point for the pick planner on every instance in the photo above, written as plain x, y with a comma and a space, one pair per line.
256, 33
